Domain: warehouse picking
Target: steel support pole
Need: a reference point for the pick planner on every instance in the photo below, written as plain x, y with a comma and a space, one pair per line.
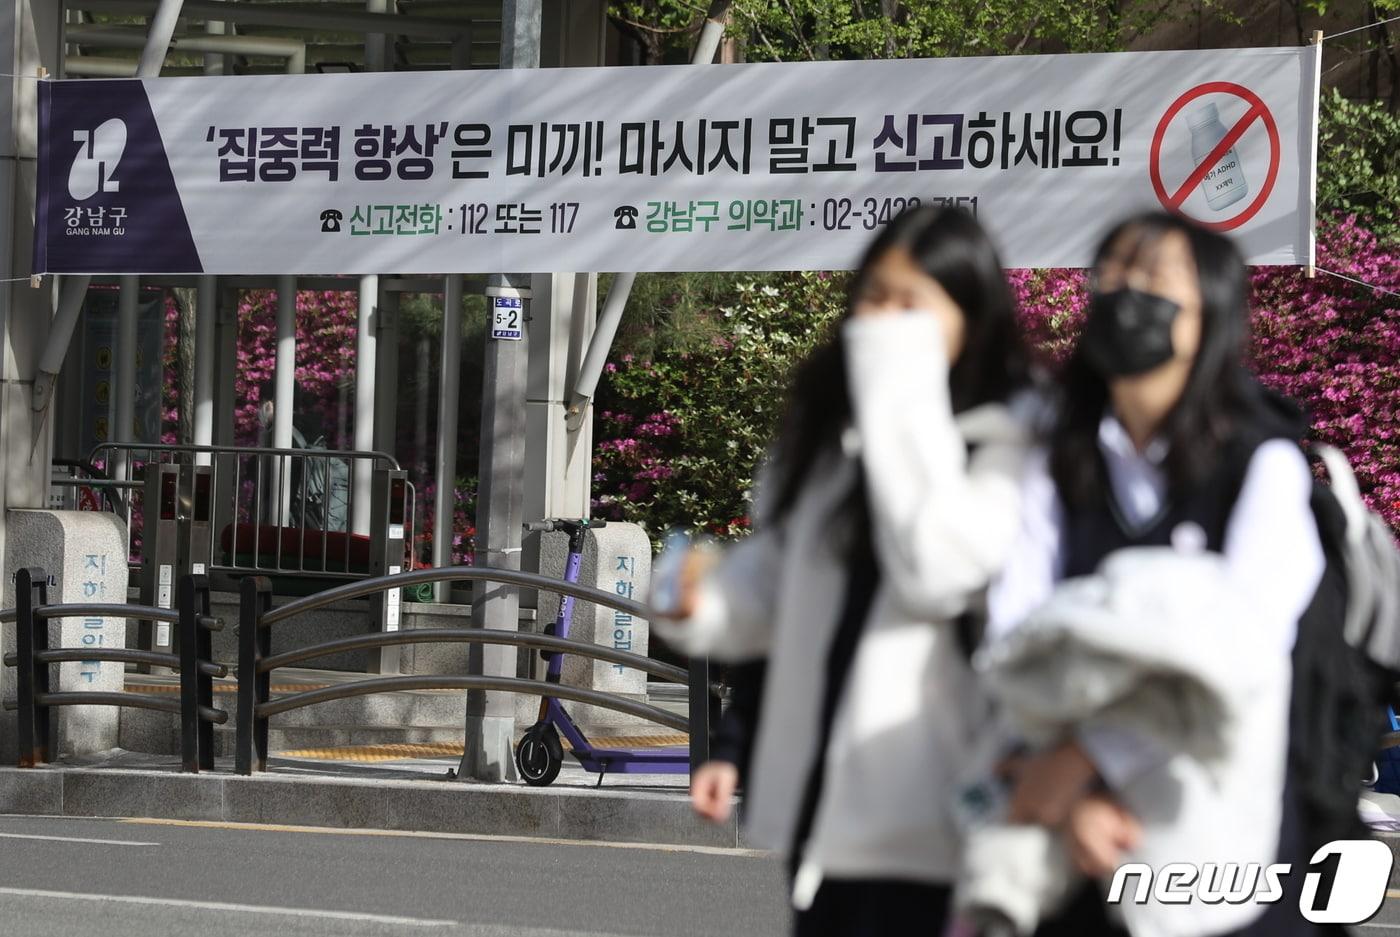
158, 37
601, 342
598, 347
365, 368
124, 376
500, 499
376, 44
215, 63
206, 309
449, 375
386, 355
284, 393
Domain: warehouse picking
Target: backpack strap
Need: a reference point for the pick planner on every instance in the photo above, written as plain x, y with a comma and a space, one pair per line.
1344, 488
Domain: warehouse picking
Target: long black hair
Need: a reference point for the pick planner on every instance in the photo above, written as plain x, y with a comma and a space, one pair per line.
950, 246
1220, 395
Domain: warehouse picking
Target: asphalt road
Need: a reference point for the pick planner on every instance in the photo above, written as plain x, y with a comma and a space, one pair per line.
84, 878
115, 878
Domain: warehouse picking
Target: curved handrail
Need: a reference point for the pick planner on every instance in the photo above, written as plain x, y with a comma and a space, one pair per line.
513, 577
68, 655
64, 655
103, 698
246, 450
106, 610
8, 614
473, 636
505, 684
129, 700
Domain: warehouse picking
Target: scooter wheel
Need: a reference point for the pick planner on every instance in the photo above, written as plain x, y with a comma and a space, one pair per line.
539, 756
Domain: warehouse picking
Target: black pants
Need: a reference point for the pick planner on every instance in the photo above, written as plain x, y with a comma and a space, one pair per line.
1085, 916
875, 908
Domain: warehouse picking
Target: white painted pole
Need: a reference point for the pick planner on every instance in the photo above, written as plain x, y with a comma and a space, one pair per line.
205, 351
124, 373
214, 62
450, 378
365, 361
158, 37
283, 393
376, 44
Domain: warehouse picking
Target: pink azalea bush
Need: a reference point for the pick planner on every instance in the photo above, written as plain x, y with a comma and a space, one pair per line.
1334, 346
326, 327
463, 526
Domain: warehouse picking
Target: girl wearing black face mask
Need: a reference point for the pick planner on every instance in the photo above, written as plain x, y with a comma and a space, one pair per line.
1162, 439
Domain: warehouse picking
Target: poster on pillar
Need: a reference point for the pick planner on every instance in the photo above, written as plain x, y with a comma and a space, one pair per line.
770, 166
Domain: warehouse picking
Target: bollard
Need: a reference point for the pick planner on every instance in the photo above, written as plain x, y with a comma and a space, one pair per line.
254, 644
32, 676
704, 711
196, 686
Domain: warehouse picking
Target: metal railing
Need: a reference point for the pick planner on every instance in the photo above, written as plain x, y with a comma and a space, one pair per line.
35, 697
250, 509
256, 661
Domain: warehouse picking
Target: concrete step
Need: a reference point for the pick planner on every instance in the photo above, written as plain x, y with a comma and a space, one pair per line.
408, 716
353, 796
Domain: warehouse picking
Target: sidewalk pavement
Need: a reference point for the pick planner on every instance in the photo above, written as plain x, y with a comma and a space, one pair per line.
405, 794
411, 794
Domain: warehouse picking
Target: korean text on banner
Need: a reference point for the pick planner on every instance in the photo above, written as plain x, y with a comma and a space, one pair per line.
732, 167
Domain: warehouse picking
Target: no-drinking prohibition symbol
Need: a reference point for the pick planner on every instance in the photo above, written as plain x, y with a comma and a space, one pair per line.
1214, 163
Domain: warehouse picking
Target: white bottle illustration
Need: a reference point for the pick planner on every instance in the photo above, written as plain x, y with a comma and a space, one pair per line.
1224, 183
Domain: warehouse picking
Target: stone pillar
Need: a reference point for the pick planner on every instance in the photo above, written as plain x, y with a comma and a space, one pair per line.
616, 559
29, 39
84, 553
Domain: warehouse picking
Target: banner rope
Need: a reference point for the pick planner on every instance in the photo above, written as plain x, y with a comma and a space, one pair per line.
1371, 286
1348, 32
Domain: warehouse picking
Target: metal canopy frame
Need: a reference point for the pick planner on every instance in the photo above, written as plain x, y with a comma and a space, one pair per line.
425, 34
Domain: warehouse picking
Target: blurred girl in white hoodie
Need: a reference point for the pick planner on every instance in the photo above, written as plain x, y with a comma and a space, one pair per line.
890, 500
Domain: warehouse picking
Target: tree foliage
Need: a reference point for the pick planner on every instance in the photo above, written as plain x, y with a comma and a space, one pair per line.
808, 30
1359, 163
681, 431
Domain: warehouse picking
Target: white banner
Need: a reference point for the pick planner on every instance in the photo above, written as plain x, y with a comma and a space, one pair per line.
724, 167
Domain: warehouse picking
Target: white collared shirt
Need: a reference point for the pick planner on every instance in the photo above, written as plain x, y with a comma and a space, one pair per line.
1271, 547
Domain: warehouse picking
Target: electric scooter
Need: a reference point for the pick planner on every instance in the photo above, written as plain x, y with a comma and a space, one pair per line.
540, 754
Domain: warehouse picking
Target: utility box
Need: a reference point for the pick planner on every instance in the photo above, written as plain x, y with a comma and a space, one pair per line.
196, 517
160, 551
388, 514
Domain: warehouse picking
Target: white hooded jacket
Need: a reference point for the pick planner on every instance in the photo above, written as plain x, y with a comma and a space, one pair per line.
943, 523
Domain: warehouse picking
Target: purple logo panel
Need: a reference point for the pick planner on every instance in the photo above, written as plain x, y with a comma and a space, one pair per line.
107, 201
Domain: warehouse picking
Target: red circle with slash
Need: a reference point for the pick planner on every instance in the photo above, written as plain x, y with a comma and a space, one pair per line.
1257, 111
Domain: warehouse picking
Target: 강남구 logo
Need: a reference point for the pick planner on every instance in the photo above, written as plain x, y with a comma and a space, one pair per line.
1344, 882
94, 165
96, 160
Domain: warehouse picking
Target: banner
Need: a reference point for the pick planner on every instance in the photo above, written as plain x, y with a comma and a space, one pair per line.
676, 168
